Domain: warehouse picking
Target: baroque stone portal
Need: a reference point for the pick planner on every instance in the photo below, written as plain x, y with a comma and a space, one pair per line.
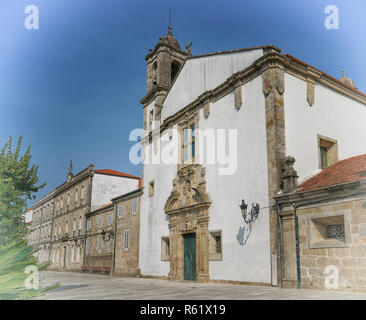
187, 207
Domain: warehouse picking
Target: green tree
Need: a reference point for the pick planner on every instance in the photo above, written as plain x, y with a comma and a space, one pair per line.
18, 181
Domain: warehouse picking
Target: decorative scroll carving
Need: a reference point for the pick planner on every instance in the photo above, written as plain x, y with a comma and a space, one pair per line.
206, 110
310, 93
189, 189
238, 97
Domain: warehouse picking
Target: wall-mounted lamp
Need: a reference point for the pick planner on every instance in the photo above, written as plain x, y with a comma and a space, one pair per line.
253, 213
107, 235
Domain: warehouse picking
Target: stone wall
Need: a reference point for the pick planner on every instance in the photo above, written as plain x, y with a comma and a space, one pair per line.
322, 261
127, 259
98, 257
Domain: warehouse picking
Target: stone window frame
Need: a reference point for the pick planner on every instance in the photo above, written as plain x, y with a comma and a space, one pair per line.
151, 188
332, 150
120, 211
184, 124
134, 212
215, 256
316, 223
165, 255
126, 248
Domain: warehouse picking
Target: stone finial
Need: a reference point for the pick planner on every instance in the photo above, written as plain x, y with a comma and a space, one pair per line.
70, 167
346, 80
289, 175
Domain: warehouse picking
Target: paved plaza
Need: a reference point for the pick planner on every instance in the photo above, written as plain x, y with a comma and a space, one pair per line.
83, 286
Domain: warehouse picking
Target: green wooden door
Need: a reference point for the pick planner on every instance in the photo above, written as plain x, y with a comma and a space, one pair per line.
190, 256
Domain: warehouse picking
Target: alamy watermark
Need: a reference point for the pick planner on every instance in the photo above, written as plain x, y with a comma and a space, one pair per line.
31, 21
332, 20
208, 146
32, 281
332, 277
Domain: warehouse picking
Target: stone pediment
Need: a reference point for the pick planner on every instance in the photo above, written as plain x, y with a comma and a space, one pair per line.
189, 190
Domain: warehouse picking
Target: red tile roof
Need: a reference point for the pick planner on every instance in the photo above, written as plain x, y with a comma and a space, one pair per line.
344, 171
116, 173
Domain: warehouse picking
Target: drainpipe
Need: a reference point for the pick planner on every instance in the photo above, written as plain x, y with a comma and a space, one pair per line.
281, 244
297, 248
115, 237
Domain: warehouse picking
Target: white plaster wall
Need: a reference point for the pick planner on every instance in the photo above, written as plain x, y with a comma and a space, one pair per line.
153, 220
333, 115
250, 262
105, 187
201, 74
240, 263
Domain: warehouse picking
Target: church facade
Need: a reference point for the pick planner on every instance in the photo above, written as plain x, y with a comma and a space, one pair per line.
231, 118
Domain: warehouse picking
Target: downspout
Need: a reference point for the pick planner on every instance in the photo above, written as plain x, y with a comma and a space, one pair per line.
115, 237
297, 248
282, 264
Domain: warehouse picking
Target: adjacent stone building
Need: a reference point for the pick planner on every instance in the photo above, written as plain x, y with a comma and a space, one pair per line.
99, 239
86, 191
112, 236
127, 231
326, 215
41, 227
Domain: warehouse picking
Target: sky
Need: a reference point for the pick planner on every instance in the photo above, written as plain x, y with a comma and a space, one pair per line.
72, 87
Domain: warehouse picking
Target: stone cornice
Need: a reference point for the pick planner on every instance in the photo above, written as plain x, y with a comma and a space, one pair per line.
87, 172
323, 194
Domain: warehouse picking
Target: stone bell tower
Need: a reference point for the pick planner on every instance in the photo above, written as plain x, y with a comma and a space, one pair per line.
164, 61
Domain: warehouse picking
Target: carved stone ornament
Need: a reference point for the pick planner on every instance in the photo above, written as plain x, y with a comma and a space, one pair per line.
206, 109
310, 93
273, 79
238, 97
189, 190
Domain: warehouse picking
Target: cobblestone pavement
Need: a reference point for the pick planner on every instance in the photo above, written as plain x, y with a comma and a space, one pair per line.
82, 286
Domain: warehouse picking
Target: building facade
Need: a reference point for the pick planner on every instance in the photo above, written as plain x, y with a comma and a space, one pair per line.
270, 105
127, 233
86, 191
41, 227
326, 216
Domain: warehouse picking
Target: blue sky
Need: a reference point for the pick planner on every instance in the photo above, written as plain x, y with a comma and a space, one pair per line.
72, 88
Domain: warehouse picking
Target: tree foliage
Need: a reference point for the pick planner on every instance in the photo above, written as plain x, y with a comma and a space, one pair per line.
18, 181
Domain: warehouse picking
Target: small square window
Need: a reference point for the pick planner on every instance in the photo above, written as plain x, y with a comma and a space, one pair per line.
215, 245
328, 151
165, 248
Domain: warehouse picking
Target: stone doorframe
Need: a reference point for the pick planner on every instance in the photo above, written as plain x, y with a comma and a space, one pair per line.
188, 208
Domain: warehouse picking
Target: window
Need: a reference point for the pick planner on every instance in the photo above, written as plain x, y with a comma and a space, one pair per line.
67, 227
87, 244
215, 245
165, 248
134, 207
109, 219
189, 144
78, 252
72, 254
151, 118
120, 211
126, 240
88, 225
151, 188
76, 196
109, 245
82, 194
99, 222
329, 230
328, 151
80, 223
74, 224
99, 245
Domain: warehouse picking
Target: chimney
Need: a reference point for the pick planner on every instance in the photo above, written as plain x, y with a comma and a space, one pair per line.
289, 175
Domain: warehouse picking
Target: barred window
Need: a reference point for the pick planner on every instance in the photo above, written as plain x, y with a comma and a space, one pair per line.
126, 243
120, 211
335, 231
